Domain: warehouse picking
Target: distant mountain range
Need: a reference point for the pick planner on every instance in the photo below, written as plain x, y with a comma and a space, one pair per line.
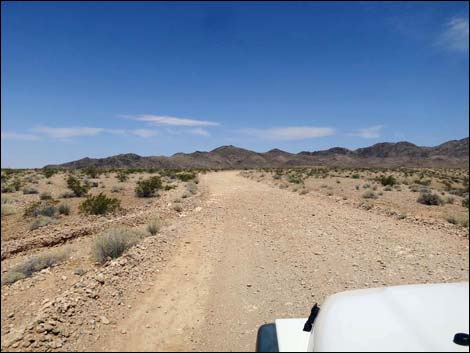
450, 154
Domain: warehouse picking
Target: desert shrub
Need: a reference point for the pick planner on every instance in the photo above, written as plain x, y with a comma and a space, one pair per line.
148, 187
154, 226
45, 196
34, 264
16, 184
42, 221
169, 187
7, 189
465, 202
387, 180
356, 176
67, 195
7, 209
185, 176
48, 172
122, 176
92, 172
369, 195
40, 208
294, 179
117, 189
30, 191
99, 205
459, 220
77, 188
191, 187
6, 200
64, 209
113, 242
449, 200
429, 199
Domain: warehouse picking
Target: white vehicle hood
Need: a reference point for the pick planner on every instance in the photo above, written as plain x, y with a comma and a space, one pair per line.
401, 318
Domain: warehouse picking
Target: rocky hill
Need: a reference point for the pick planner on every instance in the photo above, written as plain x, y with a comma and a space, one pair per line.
453, 153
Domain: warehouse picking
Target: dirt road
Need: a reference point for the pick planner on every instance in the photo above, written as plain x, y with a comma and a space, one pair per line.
253, 253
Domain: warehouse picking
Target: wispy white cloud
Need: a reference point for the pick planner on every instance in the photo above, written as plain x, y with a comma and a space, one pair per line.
290, 133
144, 133
199, 131
19, 136
170, 120
67, 132
455, 35
372, 132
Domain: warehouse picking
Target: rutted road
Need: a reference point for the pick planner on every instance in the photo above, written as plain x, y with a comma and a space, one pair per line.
254, 253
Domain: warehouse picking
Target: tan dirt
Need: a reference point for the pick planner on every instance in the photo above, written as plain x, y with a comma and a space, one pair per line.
253, 253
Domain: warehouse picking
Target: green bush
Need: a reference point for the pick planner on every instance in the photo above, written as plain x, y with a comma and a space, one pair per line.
113, 242
16, 184
92, 172
387, 180
48, 172
77, 188
429, 199
465, 202
185, 176
30, 191
45, 196
41, 208
64, 209
121, 176
99, 205
148, 187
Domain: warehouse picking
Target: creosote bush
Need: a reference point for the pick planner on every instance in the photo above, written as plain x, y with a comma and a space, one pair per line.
185, 176
77, 188
387, 180
99, 205
148, 187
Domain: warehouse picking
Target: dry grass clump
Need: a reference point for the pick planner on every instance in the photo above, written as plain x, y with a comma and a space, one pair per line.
426, 198
42, 221
35, 264
153, 227
113, 242
64, 209
459, 220
369, 195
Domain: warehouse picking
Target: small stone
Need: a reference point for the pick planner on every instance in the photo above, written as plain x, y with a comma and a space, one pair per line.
104, 320
79, 272
123, 332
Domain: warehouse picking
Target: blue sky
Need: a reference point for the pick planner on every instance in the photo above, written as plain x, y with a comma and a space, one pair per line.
98, 79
